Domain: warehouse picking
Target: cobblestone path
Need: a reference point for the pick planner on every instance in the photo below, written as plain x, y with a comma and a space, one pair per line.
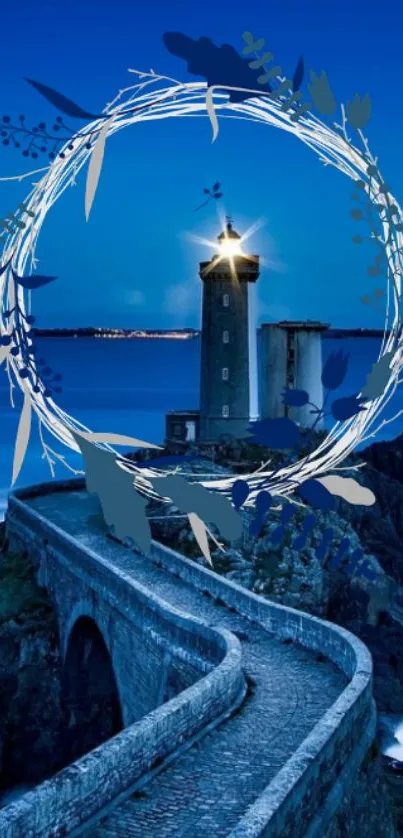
204, 792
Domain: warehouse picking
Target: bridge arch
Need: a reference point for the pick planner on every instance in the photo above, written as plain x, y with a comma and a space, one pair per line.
90, 696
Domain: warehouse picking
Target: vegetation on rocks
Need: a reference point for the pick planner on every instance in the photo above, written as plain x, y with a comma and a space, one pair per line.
295, 577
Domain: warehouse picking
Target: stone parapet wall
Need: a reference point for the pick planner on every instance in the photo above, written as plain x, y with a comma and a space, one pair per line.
60, 805
302, 791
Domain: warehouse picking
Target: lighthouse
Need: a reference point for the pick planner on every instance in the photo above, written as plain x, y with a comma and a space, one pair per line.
289, 355
225, 338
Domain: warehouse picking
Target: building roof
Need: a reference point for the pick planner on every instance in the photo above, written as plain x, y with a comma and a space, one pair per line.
303, 325
229, 232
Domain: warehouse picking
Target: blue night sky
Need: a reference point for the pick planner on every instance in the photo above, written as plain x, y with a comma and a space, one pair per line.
133, 263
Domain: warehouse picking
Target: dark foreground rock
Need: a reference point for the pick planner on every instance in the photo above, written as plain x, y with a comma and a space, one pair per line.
30, 705
367, 810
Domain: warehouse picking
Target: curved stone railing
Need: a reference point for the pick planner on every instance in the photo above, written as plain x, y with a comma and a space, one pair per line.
310, 786
60, 805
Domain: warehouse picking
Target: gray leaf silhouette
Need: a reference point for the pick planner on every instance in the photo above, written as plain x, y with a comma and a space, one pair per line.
210, 507
321, 93
122, 506
359, 111
378, 377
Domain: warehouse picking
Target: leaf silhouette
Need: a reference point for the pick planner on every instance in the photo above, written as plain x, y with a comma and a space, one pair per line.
118, 439
349, 489
200, 534
212, 114
209, 506
251, 44
221, 66
23, 433
316, 494
378, 377
295, 398
263, 502
240, 492
95, 166
62, 103
4, 351
34, 281
298, 76
275, 433
321, 93
359, 111
335, 369
216, 187
122, 506
169, 460
346, 407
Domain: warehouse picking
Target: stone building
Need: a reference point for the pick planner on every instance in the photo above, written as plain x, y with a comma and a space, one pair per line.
290, 355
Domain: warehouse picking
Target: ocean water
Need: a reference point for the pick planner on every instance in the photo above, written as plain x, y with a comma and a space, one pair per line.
127, 386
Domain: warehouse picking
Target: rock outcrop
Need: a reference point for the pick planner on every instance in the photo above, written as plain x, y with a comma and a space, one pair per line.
30, 700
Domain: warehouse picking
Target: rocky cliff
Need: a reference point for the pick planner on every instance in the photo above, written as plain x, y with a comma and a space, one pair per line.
30, 705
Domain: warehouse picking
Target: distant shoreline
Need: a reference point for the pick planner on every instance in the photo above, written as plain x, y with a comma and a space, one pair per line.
176, 334
131, 334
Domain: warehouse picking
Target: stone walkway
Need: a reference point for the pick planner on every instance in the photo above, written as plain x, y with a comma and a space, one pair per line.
207, 789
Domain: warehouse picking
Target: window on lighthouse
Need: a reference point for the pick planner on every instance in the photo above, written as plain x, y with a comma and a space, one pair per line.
225, 373
225, 411
225, 300
225, 336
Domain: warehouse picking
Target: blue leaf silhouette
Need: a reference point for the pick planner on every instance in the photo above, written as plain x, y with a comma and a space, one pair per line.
350, 566
277, 535
34, 281
62, 103
263, 502
298, 76
218, 65
256, 526
324, 545
334, 370
295, 398
240, 492
275, 433
307, 526
341, 552
316, 494
347, 407
287, 513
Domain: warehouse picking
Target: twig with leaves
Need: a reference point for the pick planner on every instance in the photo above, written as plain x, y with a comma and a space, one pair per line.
214, 194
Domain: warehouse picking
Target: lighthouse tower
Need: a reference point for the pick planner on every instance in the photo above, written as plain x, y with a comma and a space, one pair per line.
224, 381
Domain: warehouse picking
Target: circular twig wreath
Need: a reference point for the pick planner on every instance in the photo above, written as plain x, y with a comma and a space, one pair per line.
173, 99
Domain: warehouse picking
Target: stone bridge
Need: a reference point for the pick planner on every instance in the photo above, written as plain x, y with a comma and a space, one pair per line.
228, 715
